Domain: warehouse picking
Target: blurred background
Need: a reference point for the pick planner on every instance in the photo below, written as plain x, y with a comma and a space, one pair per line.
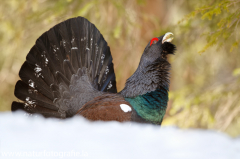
205, 75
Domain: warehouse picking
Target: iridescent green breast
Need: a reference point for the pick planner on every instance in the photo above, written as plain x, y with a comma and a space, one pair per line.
151, 106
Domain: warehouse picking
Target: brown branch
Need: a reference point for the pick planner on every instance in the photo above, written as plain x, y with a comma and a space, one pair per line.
233, 3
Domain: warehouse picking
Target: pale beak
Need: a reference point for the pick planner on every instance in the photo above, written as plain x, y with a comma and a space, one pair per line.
168, 37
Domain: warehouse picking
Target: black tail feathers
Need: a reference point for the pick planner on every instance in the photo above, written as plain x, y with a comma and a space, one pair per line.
71, 54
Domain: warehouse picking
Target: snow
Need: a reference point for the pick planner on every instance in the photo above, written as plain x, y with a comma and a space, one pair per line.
126, 108
36, 137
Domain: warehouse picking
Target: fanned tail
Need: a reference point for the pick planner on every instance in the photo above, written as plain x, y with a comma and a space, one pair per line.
69, 65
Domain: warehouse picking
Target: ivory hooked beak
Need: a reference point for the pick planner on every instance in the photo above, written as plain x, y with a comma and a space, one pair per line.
168, 37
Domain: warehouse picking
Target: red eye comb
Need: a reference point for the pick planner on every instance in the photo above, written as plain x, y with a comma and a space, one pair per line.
153, 39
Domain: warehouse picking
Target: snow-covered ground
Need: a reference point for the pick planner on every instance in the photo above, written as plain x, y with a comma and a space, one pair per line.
36, 137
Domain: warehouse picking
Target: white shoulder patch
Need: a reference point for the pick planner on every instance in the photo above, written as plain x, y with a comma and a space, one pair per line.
126, 108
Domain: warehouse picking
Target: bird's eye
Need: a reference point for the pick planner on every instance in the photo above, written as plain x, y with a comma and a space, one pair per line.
153, 41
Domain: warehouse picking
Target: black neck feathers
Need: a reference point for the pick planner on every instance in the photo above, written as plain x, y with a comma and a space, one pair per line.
148, 78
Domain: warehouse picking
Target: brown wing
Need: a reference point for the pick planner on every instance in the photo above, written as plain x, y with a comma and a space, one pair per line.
106, 108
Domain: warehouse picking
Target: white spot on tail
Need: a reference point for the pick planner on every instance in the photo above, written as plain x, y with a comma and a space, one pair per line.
33, 86
31, 83
64, 43
102, 58
74, 48
73, 39
107, 70
87, 49
45, 58
46, 61
30, 103
109, 85
126, 108
96, 48
38, 70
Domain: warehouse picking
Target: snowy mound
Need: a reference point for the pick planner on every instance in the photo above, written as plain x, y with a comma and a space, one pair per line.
36, 137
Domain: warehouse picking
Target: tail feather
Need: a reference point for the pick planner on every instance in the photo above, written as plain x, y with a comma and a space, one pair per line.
72, 53
40, 110
31, 75
32, 97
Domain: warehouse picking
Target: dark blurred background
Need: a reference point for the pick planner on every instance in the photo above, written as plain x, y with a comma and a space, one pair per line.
205, 75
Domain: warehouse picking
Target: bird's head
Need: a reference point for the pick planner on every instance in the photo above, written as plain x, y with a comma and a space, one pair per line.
158, 48
153, 70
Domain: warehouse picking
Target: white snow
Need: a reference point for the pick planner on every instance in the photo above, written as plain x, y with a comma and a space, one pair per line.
35, 137
126, 108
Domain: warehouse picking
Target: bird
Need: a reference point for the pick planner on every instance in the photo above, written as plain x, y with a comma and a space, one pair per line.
69, 72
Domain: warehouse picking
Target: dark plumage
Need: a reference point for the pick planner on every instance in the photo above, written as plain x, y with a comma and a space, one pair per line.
69, 71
